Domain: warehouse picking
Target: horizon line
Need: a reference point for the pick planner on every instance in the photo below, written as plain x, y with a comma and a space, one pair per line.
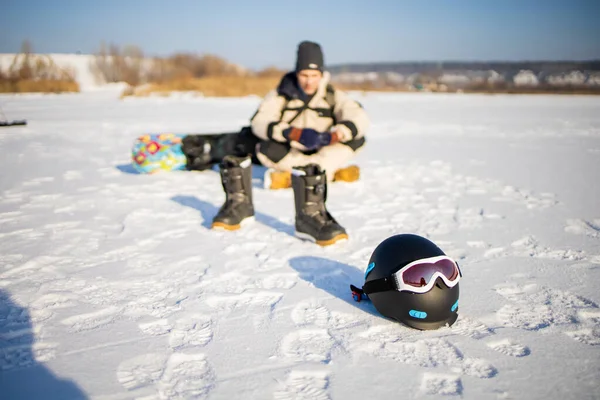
353, 63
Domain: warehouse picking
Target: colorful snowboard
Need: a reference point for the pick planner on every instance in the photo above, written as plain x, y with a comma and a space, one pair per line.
158, 152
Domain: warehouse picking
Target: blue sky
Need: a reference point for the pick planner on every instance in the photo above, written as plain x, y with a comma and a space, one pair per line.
260, 33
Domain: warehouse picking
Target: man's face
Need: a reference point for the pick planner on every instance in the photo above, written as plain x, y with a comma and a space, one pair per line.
309, 79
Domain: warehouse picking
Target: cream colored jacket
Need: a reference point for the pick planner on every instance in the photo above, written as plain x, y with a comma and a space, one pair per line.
279, 111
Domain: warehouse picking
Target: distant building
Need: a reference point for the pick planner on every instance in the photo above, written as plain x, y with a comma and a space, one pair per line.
477, 76
573, 78
593, 79
355, 77
454, 79
371, 76
495, 78
525, 78
394, 78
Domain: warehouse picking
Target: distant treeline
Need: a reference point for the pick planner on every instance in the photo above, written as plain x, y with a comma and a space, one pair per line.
215, 76
502, 67
29, 72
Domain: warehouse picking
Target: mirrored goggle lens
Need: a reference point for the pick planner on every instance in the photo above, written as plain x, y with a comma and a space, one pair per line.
419, 275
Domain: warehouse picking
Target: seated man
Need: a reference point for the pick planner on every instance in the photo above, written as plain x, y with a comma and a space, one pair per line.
307, 133
306, 121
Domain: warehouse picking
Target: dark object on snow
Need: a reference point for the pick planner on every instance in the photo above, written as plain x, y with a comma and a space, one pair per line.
204, 151
236, 178
313, 221
423, 303
20, 122
5, 122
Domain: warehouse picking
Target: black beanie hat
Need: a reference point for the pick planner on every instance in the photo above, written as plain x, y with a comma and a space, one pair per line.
309, 56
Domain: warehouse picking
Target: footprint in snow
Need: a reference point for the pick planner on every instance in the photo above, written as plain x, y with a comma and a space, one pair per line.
478, 244
141, 371
429, 353
307, 345
155, 328
465, 326
187, 271
266, 300
277, 281
64, 285
38, 270
583, 227
155, 299
93, 320
228, 283
42, 308
236, 282
438, 352
51, 301
529, 246
590, 333
441, 384
179, 375
193, 330
512, 194
590, 336
25, 355
590, 316
312, 312
186, 376
526, 317
495, 252
158, 308
509, 348
303, 385
536, 307
40, 315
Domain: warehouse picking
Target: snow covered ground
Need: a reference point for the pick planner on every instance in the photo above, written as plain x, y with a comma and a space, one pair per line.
112, 286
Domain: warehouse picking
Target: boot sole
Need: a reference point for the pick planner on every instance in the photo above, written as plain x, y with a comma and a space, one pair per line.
323, 243
226, 227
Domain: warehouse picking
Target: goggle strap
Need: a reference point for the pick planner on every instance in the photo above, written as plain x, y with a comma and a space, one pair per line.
380, 285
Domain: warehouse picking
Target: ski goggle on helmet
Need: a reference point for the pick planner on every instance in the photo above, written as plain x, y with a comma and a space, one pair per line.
418, 276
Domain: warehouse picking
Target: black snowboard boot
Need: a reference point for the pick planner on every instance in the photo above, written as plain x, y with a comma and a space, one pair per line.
313, 221
202, 151
236, 178
198, 151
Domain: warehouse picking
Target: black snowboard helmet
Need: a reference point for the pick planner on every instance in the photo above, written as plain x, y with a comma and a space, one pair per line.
412, 299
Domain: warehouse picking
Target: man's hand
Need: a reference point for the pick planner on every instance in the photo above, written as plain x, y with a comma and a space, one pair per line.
310, 138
